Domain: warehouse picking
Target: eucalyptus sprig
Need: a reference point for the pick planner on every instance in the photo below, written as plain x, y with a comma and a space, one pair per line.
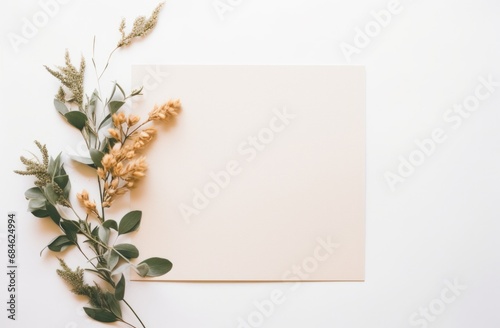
115, 142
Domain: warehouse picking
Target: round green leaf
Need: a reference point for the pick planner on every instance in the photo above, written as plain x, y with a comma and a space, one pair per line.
77, 119
96, 156
157, 266
34, 193
60, 107
142, 269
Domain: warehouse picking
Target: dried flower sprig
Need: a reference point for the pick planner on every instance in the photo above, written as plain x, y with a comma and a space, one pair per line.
141, 27
115, 141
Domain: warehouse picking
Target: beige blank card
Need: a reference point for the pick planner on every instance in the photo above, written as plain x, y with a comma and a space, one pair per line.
262, 175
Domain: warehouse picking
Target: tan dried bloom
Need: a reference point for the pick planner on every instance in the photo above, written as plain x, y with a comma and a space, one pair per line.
118, 119
89, 205
115, 134
133, 120
83, 196
166, 111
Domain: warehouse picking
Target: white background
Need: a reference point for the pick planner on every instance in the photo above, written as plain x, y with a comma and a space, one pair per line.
440, 224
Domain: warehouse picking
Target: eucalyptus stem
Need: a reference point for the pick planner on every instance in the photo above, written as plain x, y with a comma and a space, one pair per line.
101, 196
131, 309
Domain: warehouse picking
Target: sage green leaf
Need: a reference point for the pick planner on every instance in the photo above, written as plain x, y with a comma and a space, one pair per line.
92, 102
121, 269
110, 224
115, 105
36, 204
60, 243
51, 194
77, 119
103, 234
54, 166
130, 222
34, 193
121, 89
53, 213
67, 190
157, 266
100, 315
120, 288
142, 269
105, 121
40, 213
61, 180
96, 156
71, 228
112, 259
60, 107
81, 159
127, 250
113, 304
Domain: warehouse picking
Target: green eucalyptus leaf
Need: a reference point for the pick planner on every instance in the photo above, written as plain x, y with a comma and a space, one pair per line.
60, 107
142, 269
112, 259
61, 180
71, 228
60, 243
101, 315
34, 193
157, 266
113, 304
121, 269
51, 194
35, 204
111, 224
40, 213
81, 159
120, 288
67, 190
121, 89
115, 105
103, 234
127, 250
105, 121
130, 222
54, 165
77, 119
96, 156
53, 213
93, 102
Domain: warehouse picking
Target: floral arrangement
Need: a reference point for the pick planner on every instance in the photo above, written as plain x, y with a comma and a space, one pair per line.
115, 142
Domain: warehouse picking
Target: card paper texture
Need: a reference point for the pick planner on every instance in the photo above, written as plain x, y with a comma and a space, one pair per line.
260, 178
